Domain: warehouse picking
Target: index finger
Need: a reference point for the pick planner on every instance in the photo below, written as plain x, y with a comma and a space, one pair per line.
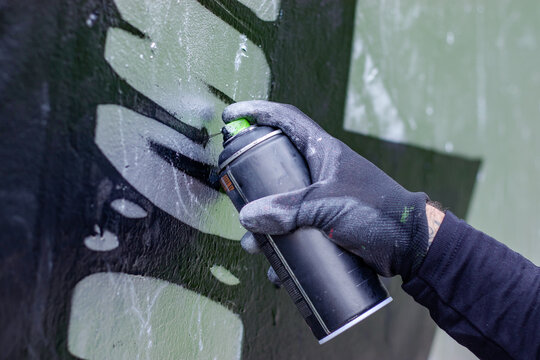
294, 123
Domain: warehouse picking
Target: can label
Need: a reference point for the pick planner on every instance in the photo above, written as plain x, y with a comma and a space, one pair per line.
226, 183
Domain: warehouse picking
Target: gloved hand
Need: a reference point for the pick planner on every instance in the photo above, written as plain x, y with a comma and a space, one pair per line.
355, 203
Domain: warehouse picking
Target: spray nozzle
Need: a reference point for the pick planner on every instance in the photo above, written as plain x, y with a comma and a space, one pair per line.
234, 127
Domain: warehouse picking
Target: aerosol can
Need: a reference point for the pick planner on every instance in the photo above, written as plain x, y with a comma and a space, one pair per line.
332, 288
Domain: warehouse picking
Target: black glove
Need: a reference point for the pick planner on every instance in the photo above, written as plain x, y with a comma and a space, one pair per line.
355, 203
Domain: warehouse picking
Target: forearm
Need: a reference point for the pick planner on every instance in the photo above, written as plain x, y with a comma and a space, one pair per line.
480, 292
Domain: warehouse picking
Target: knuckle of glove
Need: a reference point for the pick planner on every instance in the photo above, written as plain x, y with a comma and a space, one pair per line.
275, 222
249, 243
273, 277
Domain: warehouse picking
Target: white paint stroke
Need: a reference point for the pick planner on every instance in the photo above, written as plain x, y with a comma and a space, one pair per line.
123, 316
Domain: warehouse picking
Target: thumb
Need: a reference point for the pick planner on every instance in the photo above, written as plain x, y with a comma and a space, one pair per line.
274, 214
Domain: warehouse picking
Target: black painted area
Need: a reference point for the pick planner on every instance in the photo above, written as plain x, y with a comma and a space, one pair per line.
205, 173
134, 100
56, 185
243, 19
220, 95
24, 117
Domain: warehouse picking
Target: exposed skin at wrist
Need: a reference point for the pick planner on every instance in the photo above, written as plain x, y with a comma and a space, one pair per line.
434, 219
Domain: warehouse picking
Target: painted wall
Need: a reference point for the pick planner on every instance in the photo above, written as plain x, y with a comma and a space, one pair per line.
117, 243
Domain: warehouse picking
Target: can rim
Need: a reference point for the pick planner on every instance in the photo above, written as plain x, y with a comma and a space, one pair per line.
247, 147
350, 324
243, 131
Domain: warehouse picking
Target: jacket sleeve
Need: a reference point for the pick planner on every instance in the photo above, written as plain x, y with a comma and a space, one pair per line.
486, 296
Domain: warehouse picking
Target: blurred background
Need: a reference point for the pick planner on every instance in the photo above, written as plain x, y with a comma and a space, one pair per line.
461, 78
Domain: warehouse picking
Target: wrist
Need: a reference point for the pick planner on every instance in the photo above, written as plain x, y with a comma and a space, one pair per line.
434, 218
415, 241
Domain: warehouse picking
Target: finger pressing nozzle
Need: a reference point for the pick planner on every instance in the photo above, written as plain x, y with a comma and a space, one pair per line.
233, 128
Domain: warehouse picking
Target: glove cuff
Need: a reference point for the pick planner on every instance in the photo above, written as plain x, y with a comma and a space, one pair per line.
418, 244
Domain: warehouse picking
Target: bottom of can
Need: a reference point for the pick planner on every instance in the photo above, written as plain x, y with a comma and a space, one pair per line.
355, 321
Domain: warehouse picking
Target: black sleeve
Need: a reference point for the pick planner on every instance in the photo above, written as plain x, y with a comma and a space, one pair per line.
483, 294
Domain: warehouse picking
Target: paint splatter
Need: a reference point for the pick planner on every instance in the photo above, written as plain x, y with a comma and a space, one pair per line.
369, 107
122, 316
331, 233
91, 19
128, 209
105, 241
405, 214
450, 38
224, 275
241, 52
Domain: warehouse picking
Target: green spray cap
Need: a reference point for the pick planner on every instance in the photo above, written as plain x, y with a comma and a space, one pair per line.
234, 127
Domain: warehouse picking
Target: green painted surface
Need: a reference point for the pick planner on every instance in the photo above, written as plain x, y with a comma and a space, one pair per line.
121, 316
460, 77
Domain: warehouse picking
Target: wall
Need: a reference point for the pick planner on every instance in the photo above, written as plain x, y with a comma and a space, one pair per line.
118, 243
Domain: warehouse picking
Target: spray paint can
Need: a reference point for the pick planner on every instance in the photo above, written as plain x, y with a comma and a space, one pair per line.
332, 288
